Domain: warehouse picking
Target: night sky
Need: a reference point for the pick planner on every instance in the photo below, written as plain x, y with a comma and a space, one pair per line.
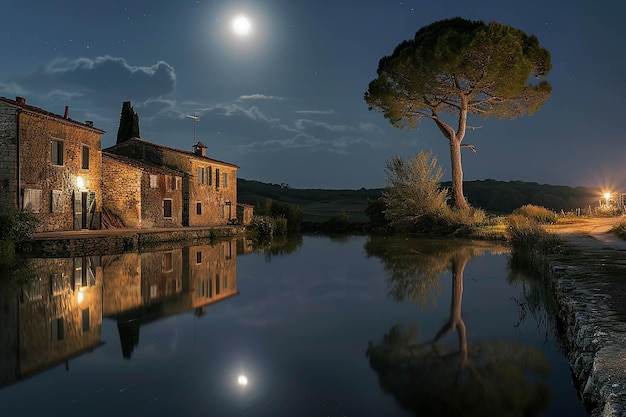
285, 101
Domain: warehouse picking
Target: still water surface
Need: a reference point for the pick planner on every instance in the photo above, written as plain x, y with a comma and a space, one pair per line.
354, 326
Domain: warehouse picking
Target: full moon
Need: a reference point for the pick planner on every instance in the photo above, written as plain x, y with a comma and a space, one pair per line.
242, 25
242, 380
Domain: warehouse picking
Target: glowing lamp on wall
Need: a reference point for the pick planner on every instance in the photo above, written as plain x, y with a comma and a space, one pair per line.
80, 182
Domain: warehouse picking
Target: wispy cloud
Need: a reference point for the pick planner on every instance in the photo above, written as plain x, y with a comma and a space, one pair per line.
329, 111
258, 97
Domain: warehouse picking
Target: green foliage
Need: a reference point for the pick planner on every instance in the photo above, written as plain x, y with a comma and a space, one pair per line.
413, 196
456, 64
455, 68
261, 226
338, 224
280, 226
7, 253
526, 235
129, 123
375, 212
17, 226
290, 213
539, 214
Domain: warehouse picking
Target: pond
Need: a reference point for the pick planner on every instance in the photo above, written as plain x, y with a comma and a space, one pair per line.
317, 326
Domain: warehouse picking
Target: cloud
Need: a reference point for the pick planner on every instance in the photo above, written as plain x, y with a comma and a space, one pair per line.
230, 110
102, 79
258, 97
329, 111
307, 142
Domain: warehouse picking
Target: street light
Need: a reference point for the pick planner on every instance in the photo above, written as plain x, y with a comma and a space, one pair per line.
607, 197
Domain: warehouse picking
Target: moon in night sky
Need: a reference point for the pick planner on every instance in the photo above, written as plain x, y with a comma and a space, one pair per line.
241, 25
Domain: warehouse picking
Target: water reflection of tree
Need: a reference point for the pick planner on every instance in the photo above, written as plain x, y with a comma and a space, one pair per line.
280, 245
480, 379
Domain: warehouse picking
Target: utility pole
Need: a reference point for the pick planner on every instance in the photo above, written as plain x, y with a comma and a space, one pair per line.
195, 120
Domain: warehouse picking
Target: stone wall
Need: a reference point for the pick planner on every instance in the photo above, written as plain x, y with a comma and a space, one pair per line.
8, 155
122, 191
51, 189
209, 186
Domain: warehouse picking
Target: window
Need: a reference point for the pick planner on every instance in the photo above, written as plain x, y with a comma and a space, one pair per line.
56, 204
198, 257
154, 181
217, 178
32, 200
217, 284
179, 182
57, 329
225, 180
200, 175
168, 182
56, 152
85, 317
210, 175
175, 185
198, 208
85, 164
167, 208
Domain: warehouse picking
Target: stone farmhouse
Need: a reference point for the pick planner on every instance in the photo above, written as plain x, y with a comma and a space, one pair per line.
54, 167
209, 186
50, 165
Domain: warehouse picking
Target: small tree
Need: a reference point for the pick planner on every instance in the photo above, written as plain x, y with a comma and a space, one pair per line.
414, 192
458, 68
129, 123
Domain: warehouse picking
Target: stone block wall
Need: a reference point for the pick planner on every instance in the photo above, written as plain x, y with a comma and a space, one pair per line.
8, 155
207, 199
55, 186
122, 191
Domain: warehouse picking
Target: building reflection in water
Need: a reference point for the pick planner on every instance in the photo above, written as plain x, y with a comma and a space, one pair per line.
57, 315
143, 287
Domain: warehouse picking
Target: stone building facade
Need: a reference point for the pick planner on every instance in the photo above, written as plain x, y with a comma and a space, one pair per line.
140, 194
209, 186
50, 165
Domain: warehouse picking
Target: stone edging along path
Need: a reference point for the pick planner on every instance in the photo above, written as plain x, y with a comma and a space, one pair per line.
589, 281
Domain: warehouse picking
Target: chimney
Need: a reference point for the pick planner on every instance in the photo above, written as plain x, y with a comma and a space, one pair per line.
89, 123
20, 100
67, 112
199, 149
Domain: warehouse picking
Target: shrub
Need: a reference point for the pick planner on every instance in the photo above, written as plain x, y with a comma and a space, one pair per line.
619, 229
539, 214
261, 226
280, 226
17, 226
527, 235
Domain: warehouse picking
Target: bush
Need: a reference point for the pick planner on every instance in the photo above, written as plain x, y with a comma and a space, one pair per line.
527, 235
539, 214
17, 226
619, 229
280, 226
261, 226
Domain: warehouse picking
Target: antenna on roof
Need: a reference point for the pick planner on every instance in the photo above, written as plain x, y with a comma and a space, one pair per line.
195, 120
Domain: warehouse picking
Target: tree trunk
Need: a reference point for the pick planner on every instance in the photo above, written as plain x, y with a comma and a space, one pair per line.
457, 174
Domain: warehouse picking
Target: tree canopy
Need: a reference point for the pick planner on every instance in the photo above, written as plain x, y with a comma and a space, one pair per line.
455, 68
129, 123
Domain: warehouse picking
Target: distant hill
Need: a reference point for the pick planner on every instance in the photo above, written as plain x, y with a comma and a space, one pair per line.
493, 196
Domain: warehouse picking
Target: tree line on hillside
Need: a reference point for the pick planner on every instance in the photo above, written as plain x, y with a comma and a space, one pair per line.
491, 195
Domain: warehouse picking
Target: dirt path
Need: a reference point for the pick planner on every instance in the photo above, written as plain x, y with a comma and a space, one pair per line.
590, 233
